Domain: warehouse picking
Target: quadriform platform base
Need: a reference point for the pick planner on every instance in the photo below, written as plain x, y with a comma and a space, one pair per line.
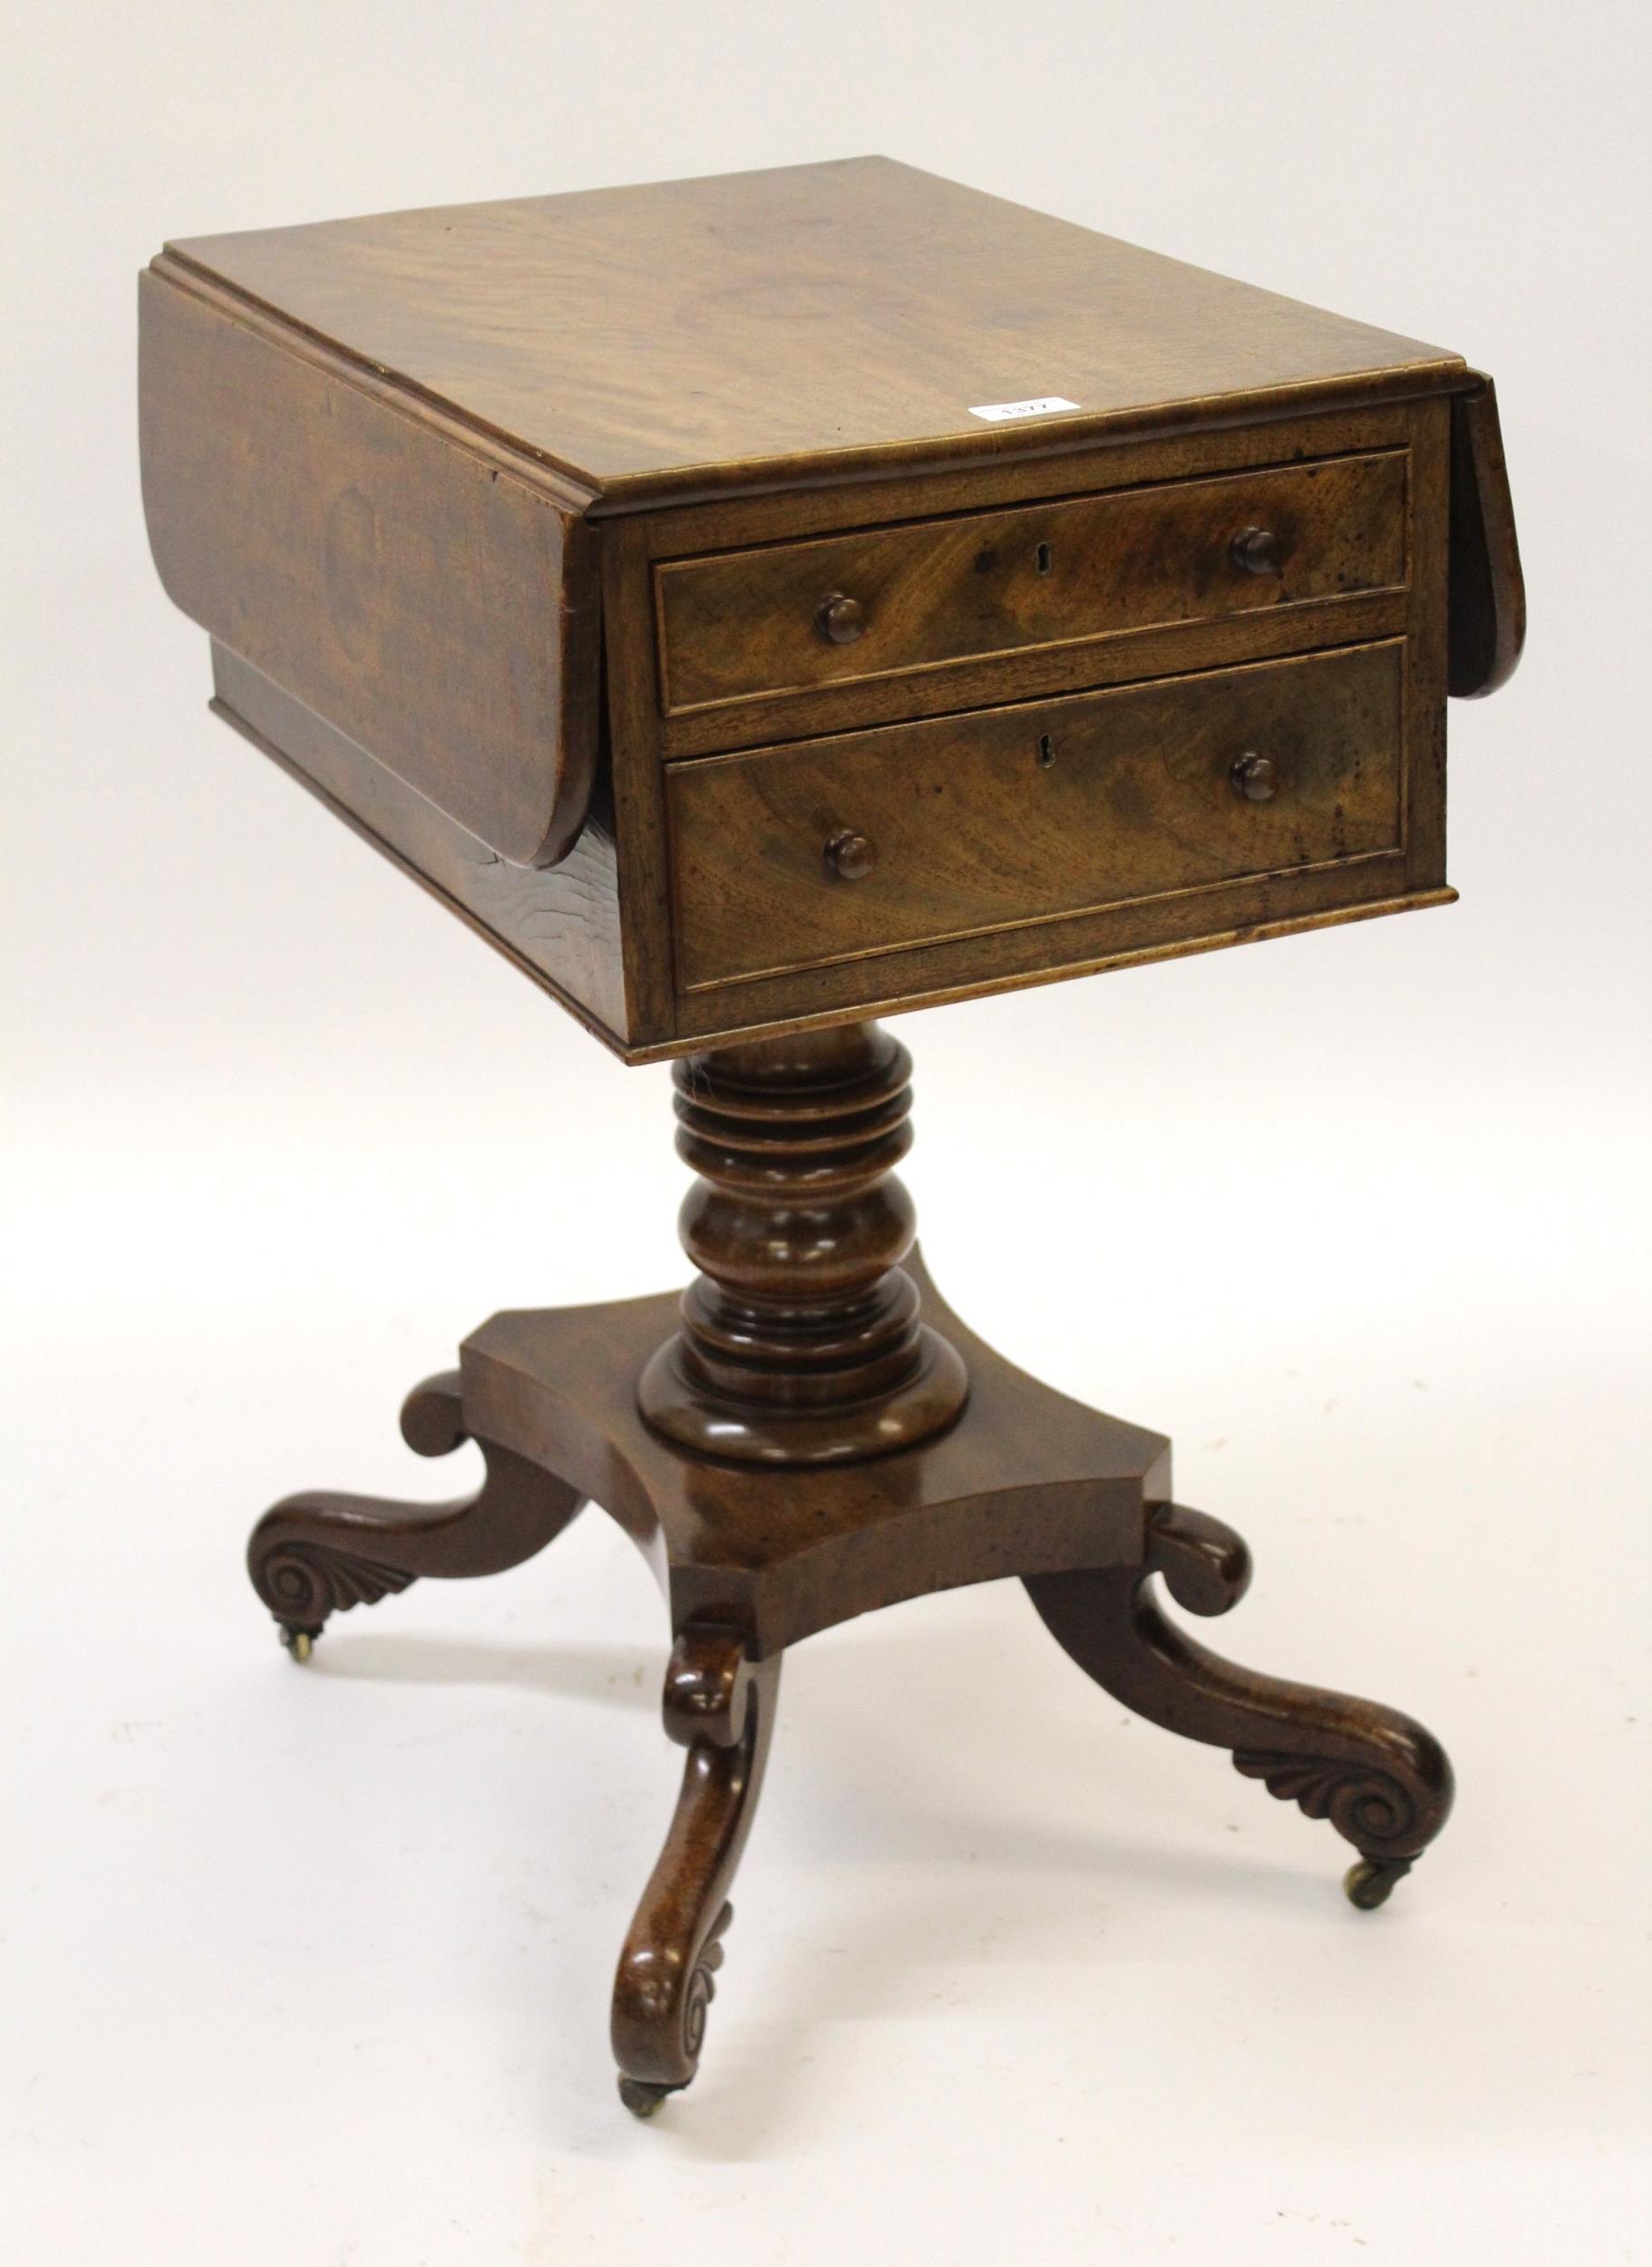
804, 1521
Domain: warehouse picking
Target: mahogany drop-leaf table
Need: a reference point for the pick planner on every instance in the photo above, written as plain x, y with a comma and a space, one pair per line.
755, 604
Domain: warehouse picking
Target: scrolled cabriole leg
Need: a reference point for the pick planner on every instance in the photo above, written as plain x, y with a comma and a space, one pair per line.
318, 1554
720, 1705
1378, 1777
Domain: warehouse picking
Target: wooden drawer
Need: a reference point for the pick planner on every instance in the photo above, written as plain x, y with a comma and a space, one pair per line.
737, 625
1011, 816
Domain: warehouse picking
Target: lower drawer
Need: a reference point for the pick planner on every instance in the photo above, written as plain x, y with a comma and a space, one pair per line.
786, 857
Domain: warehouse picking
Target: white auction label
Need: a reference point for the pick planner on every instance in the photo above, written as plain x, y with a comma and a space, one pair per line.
1045, 407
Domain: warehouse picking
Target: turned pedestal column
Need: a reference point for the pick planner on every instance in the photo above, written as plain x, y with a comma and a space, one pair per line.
800, 1342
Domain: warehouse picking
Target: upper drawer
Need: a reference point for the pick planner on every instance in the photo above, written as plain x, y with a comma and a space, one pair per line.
792, 616
827, 849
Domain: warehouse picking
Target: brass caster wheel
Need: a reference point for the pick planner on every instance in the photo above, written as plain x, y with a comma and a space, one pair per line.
640, 2097
1369, 1883
299, 1643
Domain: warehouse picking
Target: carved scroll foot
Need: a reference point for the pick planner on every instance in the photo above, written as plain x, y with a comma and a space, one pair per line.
318, 1554
720, 1705
1380, 1779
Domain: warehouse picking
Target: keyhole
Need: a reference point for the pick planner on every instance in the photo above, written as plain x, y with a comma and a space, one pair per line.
1044, 561
1046, 751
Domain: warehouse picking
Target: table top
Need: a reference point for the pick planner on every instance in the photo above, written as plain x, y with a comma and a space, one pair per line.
655, 340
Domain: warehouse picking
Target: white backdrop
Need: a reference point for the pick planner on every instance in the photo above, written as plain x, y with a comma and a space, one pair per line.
313, 1969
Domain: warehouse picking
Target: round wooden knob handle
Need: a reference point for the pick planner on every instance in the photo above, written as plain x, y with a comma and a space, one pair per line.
850, 855
1257, 552
1256, 777
840, 619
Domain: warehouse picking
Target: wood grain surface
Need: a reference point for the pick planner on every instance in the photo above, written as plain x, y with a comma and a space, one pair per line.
748, 622
438, 607
1026, 1481
802, 1341
1488, 586
560, 926
1019, 814
682, 335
